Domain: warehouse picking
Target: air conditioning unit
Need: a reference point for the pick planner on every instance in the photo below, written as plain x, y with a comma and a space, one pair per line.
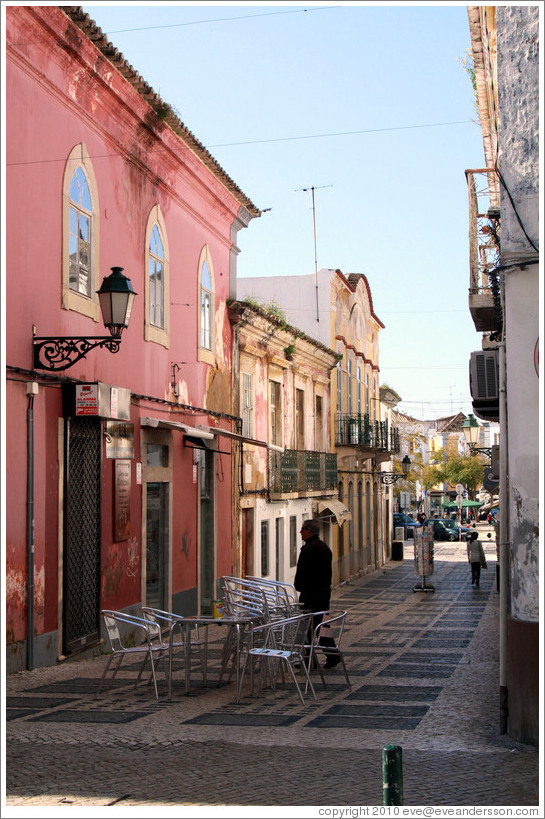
484, 384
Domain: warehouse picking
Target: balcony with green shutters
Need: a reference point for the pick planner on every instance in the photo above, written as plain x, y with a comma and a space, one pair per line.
361, 434
302, 473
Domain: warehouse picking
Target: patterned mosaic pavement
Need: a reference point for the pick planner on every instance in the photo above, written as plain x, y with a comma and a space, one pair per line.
415, 661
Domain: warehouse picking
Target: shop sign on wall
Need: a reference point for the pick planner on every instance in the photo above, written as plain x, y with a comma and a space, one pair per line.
119, 439
122, 500
86, 399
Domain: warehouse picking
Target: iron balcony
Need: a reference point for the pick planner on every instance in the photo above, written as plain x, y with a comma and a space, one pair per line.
484, 249
360, 432
302, 472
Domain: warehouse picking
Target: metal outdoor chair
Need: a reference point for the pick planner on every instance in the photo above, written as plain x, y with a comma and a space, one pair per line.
331, 626
168, 623
275, 646
244, 597
131, 636
245, 600
281, 597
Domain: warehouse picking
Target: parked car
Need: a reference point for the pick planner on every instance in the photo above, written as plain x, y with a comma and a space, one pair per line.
453, 526
401, 519
440, 531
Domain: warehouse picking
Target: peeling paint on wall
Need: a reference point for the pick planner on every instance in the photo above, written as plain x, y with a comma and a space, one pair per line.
222, 324
15, 589
218, 390
39, 593
525, 557
183, 392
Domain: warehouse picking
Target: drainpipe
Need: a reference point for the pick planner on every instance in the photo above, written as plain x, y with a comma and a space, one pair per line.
504, 540
238, 481
31, 390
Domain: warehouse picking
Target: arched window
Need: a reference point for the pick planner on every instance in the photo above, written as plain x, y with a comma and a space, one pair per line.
80, 231
349, 383
339, 372
358, 390
156, 269
157, 287
80, 262
206, 308
206, 303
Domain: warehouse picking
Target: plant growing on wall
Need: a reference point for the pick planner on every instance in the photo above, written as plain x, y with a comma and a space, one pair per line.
469, 67
289, 351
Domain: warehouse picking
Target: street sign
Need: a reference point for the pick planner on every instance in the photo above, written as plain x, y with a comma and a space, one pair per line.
405, 500
460, 489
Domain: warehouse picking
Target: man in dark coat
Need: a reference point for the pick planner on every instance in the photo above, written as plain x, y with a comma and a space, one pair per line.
313, 581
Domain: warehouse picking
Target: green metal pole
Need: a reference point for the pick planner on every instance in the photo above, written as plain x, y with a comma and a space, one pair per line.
392, 775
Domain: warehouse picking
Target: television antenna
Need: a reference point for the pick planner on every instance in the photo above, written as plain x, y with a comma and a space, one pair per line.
312, 189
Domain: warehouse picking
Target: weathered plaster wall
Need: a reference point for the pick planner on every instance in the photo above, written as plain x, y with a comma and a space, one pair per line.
518, 83
522, 329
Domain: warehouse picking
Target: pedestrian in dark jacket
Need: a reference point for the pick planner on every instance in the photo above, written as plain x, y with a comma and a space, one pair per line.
475, 557
313, 581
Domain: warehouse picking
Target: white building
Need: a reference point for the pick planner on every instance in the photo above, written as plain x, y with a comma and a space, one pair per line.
504, 302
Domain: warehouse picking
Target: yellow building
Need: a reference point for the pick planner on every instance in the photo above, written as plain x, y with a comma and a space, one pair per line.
338, 311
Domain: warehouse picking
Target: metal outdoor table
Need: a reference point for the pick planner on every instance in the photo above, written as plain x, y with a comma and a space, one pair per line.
237, 626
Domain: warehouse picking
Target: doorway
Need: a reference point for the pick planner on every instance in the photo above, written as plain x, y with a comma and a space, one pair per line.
157, 515
82, 537
207, 552
157, 447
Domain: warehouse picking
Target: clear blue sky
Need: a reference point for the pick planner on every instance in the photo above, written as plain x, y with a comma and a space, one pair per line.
368, 103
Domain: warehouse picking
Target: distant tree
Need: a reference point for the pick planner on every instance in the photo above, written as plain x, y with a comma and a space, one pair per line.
454, 468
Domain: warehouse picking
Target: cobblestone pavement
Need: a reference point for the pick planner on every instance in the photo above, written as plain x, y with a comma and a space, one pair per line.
424, 674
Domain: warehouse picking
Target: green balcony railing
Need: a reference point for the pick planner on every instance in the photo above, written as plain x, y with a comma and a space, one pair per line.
302, 471
361, 431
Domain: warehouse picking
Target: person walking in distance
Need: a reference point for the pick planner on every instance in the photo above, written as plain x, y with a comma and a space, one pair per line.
313, 581
475, 557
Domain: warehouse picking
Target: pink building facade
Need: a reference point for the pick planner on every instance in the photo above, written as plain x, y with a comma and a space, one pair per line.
119, 482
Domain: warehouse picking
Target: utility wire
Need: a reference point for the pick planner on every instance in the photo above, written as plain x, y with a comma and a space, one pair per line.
341, 133
260, 141
220, 20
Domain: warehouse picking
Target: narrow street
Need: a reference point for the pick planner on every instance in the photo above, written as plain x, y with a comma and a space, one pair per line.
424, 673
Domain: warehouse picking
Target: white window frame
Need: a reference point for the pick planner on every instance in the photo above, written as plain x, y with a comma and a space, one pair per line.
319, 423
299, 418
206, 317
152, 332
86, 304
349, 388
358, 389
275, 412
247, 404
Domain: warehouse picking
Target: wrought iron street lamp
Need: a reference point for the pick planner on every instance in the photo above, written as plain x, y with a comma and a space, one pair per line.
471, 428
116, 296
389, 478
